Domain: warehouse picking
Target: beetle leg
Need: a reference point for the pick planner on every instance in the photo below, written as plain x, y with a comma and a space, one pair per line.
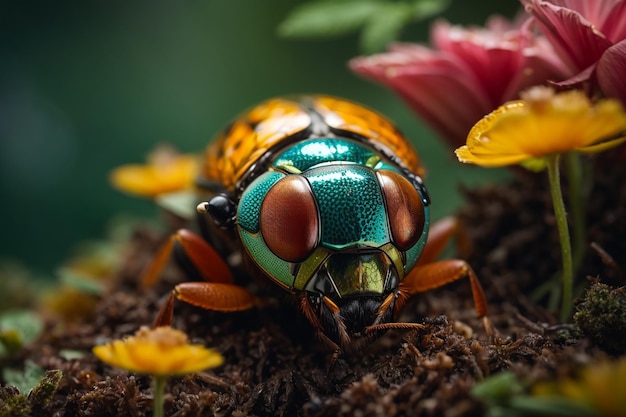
193, 247
427, 277
439, 235
166, 313
309, 313
214, 296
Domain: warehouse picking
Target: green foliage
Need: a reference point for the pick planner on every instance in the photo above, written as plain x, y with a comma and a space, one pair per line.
524, 406
384, 27
380, 21
504, 395
79, 282
327, 19
499, 389
24, 379
17, 329
71, 354
11, 341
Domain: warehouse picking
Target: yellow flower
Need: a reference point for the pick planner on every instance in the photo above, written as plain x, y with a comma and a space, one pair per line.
161, 351
166, 171
535, 131
544, 123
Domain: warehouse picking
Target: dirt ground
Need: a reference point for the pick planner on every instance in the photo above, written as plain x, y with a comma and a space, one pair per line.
275, 367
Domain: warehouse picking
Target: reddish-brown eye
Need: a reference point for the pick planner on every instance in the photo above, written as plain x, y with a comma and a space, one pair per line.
288, 220
404, 208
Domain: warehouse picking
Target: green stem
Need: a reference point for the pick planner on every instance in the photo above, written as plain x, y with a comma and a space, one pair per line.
576, 206
158, 390
561, 222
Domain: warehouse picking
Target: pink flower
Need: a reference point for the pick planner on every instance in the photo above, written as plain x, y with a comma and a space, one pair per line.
590, 38
470, 72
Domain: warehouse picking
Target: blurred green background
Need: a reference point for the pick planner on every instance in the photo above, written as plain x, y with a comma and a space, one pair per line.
86, 86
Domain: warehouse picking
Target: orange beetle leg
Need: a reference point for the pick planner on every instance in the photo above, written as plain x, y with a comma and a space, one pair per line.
427, 277
208, 295
166, 314
439, 235
203, 257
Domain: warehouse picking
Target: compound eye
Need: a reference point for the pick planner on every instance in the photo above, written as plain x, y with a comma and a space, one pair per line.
404, 207
289, 222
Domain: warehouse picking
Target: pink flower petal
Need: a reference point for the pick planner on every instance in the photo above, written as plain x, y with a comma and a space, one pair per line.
540, 63
576, 39
595, 11
437, 86
608, 16
470, 72
584, 80
611, 72
614, 26
492, 57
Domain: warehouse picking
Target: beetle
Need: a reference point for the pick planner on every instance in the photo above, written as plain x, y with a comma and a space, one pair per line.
324, 197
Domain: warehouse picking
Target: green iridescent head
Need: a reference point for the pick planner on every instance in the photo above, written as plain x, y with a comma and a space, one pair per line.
337, 223
331, 216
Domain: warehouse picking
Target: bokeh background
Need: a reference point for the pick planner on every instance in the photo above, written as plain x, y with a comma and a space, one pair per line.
89, 85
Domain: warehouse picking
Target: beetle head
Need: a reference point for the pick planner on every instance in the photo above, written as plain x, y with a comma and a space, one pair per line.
339, 233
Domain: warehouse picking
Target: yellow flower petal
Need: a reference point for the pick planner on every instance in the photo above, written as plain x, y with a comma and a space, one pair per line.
161, 351
166, 171
487, 159
599, 147
543, 123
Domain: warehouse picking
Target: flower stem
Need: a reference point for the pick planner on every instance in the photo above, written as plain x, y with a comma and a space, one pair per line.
577, 194
561, 222
158, 389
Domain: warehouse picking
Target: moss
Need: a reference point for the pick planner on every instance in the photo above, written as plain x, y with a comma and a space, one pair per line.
13, 403
601, 316
41, 396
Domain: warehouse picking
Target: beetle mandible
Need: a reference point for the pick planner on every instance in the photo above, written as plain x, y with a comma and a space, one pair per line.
325, 198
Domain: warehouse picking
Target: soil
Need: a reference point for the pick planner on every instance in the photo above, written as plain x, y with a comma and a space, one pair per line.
275, 367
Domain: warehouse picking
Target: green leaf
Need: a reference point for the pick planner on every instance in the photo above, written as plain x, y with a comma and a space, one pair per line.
71, 354
26, 379
18, 328
423, 9
80, 282
552, 407
498, 389
181, 203
11, 341
327, 19
382, 21
385, 27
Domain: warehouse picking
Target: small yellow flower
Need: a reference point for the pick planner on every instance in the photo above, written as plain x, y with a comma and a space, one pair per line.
535, 131
541, 124
161, 351
166, 171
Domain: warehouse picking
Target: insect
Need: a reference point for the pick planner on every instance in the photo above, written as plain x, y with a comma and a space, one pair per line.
325, 198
